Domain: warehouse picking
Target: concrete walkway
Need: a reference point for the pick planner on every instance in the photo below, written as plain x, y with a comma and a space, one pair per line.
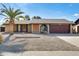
43, 53
70, 39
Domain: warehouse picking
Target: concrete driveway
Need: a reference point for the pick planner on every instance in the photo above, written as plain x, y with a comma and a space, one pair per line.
40, 44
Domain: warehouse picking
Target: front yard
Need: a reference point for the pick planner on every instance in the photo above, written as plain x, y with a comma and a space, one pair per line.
38, 42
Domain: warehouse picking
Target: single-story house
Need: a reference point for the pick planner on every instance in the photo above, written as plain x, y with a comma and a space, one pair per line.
40, 26
76, 26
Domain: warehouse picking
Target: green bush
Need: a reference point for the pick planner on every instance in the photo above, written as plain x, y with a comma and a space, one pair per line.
1, 39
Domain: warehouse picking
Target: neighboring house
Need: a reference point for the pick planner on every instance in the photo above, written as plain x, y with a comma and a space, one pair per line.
76, 26
40, 26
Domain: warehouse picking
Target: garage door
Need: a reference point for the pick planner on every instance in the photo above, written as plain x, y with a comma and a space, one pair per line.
59, 28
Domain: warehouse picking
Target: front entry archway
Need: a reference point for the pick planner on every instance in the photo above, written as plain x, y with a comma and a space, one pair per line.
43, 28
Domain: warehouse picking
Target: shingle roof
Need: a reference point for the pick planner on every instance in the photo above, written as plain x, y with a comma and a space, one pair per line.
2, 25
42, 21
19, 22
22, 22
51, 21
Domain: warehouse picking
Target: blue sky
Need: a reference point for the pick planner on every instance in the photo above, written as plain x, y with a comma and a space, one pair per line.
68, 11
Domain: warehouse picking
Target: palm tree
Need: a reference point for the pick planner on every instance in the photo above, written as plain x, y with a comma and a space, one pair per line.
10, 13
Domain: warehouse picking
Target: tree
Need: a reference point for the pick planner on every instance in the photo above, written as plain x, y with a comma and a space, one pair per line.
43, 28
10, 13
36, 17
27, 17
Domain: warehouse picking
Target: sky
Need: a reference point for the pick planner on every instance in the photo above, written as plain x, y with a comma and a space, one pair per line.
69, 11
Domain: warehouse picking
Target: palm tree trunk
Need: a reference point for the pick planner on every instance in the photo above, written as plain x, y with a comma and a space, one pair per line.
11, 25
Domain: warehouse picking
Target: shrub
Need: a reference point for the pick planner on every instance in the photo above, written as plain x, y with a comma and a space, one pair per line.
11, 33
1, 39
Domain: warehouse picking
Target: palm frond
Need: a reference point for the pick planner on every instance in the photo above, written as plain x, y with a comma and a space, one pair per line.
3, 14
20, 17
11, 13
18, 10
4, 6
18, 13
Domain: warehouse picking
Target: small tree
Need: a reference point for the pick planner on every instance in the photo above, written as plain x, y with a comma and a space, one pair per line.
36, 17
27, 17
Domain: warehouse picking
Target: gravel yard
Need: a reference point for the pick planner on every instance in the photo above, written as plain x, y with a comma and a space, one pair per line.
20, 43
47, 44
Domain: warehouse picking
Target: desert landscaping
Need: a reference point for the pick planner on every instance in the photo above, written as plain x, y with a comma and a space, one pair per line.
42, 44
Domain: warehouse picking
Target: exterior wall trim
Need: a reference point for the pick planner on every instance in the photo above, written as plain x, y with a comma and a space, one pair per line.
39, 28
48, 28
32, 28
71, 28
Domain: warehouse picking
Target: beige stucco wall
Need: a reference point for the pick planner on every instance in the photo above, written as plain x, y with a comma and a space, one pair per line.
24, 27
29, 28
9, 27
15, 28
